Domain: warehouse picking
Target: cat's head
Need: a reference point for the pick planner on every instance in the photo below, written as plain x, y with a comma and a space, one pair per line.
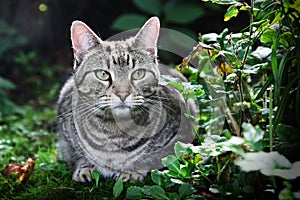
116, 75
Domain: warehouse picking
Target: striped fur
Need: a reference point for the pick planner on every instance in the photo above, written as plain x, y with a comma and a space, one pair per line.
113, 115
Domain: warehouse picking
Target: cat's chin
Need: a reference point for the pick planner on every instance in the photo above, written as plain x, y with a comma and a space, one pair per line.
121, 112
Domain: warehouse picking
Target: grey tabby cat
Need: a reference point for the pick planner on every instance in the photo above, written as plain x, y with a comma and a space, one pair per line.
114, 115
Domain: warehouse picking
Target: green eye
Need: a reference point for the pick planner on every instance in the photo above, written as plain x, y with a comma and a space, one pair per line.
103, 75
138, 74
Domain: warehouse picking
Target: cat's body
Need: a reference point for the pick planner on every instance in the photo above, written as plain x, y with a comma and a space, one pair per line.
114, 116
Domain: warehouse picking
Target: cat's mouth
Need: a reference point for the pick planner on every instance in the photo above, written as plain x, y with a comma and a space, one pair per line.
121, 111
122, 107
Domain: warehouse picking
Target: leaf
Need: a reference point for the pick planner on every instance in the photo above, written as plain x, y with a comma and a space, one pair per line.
224, 68
96, 176
245, 8
118, 188
263, 160
222, 2
268, 36
129, 21
261, 52
181, 149
6, 84
173, 196
157, 177
210, 146
23, 171
210, 37
296, 5
186, 190
149, 6
182, 13
232, 11
160, 178
177, 85
270, 164
290, 173
234, 144
287, 133
172, 163
155, 191
252, 134
287, 39
134, 192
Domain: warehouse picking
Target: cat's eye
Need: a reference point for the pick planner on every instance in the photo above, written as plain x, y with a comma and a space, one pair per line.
138, 74
103, 75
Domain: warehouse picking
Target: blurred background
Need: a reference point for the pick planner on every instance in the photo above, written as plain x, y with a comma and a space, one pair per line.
35, 47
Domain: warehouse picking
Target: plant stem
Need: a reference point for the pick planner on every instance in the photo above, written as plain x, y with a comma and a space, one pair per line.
271, 120
219, 170
244, 60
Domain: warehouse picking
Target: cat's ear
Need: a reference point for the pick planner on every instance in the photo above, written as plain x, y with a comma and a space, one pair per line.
83, 39
147, 36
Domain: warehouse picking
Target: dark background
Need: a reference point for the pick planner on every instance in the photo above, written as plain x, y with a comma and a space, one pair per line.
35, 45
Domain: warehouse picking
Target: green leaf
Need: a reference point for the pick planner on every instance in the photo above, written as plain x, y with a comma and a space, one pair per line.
6, 84
118, 188
134, 192
129, 21
160, 178
268, 36
186, 190
96, 176
287, 39
287, 133
149, 6
177, 85
245, 8
157, 177
173, 196
172, 163
232, 11
181, 149
182, 13
155, 191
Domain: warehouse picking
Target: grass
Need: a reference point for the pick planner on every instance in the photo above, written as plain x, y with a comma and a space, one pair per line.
29, 132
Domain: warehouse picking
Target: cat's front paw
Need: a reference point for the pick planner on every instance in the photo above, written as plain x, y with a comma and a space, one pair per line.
131, 176
83, 174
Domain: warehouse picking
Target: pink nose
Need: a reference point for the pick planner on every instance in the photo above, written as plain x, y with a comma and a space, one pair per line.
122, 95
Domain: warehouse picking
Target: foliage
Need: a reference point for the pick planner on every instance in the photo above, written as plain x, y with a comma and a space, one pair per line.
6, 104
268, 49
176, 12
212, 166
30, 133
172, 12
10, 39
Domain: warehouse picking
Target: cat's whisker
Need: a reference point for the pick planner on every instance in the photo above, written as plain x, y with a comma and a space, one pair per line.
70, 111
158, 109
153, 102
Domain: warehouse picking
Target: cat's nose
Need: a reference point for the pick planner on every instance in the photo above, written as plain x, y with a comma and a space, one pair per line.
122, 95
